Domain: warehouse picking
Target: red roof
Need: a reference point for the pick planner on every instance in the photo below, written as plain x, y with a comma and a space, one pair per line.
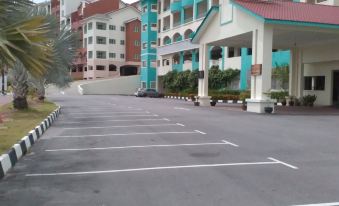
101, 7
292, 11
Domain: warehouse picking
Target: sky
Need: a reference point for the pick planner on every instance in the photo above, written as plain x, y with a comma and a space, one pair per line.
126, 1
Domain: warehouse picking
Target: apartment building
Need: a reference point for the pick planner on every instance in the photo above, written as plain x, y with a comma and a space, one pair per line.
109, 37
47, 6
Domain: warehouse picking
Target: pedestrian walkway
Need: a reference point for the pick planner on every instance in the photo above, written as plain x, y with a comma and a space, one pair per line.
5, 99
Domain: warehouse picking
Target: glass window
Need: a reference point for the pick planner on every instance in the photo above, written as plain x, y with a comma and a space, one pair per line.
136, 29
101, 40
122, 42
112, 68
112, 55
122, 56
111, 27
90, 26
319, 83
90, 54
100, 67
307, 83
122, 28
101, 26
85, 29
111, 41
90, 40
136, 43
101, 54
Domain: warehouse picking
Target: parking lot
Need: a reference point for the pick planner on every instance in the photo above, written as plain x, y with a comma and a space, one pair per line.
126, 151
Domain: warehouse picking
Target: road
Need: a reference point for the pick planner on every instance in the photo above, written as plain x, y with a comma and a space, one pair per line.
128, 151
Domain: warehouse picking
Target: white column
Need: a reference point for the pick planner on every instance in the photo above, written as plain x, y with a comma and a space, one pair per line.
296, 75
204, 99
262, 44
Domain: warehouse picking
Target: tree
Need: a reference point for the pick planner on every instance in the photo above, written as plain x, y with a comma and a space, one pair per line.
281, 73
24, 36
64, 50
18, 75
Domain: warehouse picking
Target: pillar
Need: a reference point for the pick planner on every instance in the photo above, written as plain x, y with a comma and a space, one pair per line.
262, 42
204, 99
296, 75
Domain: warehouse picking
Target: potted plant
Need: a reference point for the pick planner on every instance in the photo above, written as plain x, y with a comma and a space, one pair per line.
268, 110
214, 100
283, 102
308, 100
291, 100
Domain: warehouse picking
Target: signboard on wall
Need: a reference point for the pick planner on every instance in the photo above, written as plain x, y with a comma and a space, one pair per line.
201, 74
256, 69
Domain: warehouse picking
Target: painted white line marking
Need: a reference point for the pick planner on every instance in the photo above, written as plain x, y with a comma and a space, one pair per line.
140, 146
200, 132
91, 111
124, 134
321, 204
283, 163
85, 113
230, 143
180, 124
121, 126
166, 119
181, 108
117, 120
137, 115
152, 169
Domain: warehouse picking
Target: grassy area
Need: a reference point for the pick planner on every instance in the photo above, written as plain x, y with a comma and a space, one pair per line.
18, 123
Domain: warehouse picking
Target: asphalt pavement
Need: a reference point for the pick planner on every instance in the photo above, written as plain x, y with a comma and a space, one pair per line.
129, 151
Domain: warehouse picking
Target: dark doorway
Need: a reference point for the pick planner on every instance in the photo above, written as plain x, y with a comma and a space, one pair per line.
128, 70
336, 87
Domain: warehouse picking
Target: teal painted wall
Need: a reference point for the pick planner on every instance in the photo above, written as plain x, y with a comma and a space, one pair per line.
278, 58
148, 55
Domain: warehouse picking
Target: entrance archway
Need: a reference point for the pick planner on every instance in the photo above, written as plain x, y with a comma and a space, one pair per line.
128, 70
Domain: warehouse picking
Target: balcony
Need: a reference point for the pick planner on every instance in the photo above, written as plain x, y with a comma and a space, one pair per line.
201, 15
188, 20
187, 3
177, 47
175, 24
176, 6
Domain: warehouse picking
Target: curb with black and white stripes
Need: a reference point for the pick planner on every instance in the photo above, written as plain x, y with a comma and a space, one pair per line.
190, 100
9, 159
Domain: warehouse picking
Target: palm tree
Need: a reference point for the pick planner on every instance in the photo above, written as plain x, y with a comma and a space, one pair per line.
24, 36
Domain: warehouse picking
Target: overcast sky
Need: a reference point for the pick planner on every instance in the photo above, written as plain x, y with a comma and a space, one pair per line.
127, 1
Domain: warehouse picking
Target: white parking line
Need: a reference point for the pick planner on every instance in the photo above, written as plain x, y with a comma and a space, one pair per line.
138, 146
136, 115
117, 120
152, 169
124, 134
180, 124
283, 163
200, 132
85, 113
122, 126
230, 143
321, 204
91, 111
181, 108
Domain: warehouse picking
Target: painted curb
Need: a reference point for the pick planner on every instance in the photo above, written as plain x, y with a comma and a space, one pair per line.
9, 159
190, 100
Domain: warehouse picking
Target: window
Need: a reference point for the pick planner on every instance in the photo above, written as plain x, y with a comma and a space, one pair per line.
90, 40
122, 28
136, 56
122, 42
112, 55
85, 43
153, 44
90, 67
101, 40
136, 43
122, 56
111, 41
90, 54
101, 26
136, 29
111, 27
144, 45
112, 68
154, 8
153, 85
90, 26
249, 51
307, 83
144, 27
231, 52
316, 83
319, 83
144, 64
101, 54
143, 85
85, 29
144, 9
154, 26
100, 67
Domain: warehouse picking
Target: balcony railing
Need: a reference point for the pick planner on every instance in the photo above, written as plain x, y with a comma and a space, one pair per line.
188, 19
201, 15
175, 24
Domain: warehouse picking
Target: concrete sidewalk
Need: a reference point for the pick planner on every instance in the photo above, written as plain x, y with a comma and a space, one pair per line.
5, 99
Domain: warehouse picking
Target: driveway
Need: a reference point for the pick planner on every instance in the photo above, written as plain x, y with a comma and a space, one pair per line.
128, 151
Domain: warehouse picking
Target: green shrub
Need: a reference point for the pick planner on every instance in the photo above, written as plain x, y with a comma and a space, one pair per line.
245, 95
278, 95
308, 100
